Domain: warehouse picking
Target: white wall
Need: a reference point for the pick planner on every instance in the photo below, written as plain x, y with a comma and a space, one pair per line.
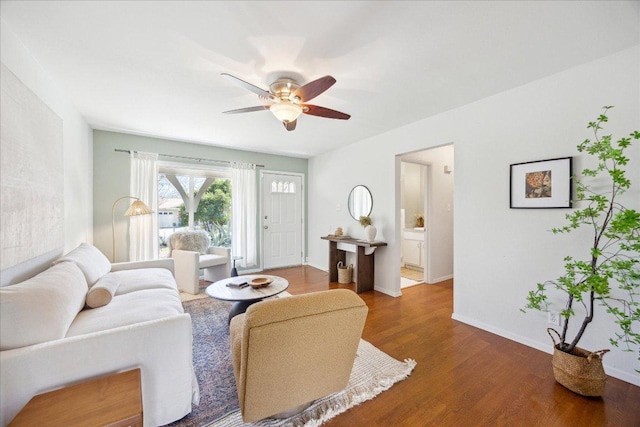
77, 136
499, 253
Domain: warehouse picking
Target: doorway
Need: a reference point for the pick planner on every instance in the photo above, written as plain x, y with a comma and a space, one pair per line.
426, 215
281, 219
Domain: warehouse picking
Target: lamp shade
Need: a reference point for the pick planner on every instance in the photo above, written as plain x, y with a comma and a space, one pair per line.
286, 111
137, 208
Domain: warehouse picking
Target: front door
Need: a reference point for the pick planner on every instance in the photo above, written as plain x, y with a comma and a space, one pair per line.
281, 220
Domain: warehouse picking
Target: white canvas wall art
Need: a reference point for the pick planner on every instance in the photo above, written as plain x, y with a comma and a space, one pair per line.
31, 174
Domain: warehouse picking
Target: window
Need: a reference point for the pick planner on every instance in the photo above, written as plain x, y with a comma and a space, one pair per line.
194, 198
283, 187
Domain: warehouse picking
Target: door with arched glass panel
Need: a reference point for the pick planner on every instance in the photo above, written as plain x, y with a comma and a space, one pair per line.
281, 220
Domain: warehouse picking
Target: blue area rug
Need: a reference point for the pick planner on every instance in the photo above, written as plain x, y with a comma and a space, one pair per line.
373, 372
212, 362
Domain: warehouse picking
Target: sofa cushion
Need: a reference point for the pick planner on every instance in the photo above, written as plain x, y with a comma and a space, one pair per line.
103, 291
195, 241
91, 261
140, 279
41, 309
128, 309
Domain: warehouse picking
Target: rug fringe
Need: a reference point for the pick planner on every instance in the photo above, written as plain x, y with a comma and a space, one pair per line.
341, 403
386, 372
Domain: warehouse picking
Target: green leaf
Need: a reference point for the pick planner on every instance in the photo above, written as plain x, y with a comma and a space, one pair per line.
612, 254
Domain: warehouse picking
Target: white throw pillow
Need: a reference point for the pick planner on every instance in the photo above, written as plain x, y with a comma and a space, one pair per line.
41, 309
91, 261
103, 291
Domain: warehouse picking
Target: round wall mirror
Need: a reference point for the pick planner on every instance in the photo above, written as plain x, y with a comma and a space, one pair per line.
360, 202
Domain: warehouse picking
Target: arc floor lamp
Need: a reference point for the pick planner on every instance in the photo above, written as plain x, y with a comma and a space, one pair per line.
136, 208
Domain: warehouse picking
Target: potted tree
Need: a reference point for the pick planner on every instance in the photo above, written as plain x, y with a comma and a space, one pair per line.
609, 274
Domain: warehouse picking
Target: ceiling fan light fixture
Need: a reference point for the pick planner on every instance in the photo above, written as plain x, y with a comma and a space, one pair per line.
287, 99
286, 111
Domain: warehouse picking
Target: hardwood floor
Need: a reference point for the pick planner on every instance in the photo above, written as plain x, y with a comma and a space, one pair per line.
464, 376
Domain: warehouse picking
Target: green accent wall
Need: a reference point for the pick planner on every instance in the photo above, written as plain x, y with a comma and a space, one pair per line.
111, 172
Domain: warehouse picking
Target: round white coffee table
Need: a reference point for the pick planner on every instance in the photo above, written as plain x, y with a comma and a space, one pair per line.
244, 297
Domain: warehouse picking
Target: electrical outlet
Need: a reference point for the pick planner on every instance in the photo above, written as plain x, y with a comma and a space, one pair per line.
553, 318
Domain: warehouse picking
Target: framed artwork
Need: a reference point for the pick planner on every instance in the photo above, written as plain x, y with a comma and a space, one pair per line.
543, 184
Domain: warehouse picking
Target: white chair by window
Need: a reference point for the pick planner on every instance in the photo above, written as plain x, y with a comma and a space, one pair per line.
191, 253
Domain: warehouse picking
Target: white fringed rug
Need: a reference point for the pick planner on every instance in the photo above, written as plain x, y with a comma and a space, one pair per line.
373, 372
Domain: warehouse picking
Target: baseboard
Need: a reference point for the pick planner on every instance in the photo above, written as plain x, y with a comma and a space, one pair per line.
621, 375
323, 268
386, 291
441, 279
545, 347
379, 289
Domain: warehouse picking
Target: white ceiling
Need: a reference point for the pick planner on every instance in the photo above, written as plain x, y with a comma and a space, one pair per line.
153, 67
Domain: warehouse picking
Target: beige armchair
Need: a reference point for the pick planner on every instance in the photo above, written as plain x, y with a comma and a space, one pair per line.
191, 253
288, 352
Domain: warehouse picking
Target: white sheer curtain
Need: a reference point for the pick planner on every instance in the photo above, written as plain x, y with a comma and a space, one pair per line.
244, 213
143, 229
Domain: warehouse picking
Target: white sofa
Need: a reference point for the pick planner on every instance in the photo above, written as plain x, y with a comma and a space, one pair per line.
192, 253
50, 339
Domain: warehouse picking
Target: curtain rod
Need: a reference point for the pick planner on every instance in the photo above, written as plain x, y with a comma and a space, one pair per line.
198, 159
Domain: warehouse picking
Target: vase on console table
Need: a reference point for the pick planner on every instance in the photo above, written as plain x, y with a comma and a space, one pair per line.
370, 232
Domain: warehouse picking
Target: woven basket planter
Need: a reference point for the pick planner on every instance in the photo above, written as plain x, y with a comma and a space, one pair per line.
580, 371
344, 273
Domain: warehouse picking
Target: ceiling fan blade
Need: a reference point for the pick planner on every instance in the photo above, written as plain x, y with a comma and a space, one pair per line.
314, 88
255, 89
314, 110
290, 125
247, 109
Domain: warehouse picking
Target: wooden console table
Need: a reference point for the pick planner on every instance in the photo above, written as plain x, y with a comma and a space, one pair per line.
365, 265
114, 401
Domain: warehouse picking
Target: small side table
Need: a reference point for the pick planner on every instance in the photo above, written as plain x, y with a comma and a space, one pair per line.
234, 270
244, 297
365, 264
114, 400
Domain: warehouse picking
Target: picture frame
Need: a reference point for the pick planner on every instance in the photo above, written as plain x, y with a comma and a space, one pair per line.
541, 184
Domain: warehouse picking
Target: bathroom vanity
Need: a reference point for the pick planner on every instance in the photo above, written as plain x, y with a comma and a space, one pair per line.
413, 247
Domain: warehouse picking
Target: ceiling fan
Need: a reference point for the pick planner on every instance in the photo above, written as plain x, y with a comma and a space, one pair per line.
287, 99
